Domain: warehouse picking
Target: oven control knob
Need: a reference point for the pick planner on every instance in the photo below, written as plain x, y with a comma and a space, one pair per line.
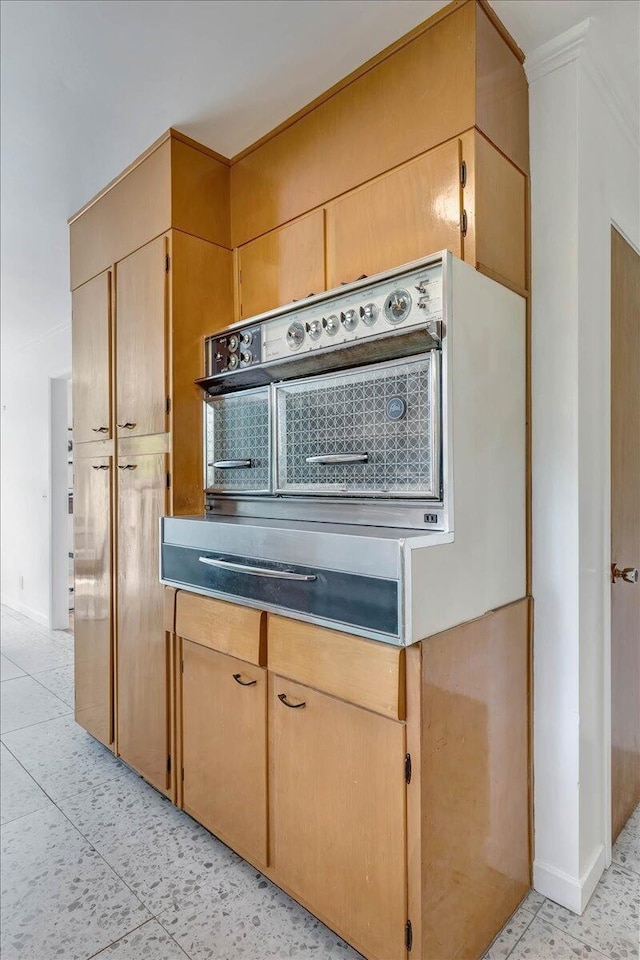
369, 314
331, 324
233, 361
314, 329
247, 356
349, 319
295, 335
397, 306
233, 344
247, 338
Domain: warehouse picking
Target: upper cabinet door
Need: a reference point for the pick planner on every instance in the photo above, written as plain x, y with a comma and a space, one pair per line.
141, 379
91, 336
402, 216
284, 265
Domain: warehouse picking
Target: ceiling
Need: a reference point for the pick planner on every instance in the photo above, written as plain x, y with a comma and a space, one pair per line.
89, 84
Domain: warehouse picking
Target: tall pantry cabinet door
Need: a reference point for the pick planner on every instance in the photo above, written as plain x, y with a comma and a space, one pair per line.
142, 654
91, 344
141, 376
283, 265
337, 799
93, 618
404, 215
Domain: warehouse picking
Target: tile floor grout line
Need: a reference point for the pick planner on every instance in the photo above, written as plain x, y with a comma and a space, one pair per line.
27, 726
573, 937
501, 931
108, 947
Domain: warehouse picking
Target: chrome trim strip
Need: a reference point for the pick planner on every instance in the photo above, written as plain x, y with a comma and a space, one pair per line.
257, 571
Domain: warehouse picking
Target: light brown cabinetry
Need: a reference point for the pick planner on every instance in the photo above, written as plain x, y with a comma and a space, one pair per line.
404, 215
93, 596
224, 751
141, 333
142, 688
284, 265
337, 804
91, 346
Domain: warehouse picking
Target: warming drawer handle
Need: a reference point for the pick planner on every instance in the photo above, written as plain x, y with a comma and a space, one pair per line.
258, 571
329, 458
126, 426
243, 683
230, 464
282, 697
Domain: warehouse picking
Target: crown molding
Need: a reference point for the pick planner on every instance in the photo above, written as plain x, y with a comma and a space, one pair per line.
557, 52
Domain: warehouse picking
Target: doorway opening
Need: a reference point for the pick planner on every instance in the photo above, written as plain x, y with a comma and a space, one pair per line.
61, 606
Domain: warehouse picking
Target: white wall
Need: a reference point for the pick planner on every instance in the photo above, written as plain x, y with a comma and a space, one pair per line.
26, 470
585, 162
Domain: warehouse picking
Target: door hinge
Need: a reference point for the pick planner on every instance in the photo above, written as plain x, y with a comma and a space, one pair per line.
167, 406
407, 768
168, 764
168, 480
408, 935
463, 174
167, 262
463, 223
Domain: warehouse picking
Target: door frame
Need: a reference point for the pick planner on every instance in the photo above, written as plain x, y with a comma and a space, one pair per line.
58, 502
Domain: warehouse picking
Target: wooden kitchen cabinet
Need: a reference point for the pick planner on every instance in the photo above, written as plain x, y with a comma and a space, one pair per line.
91, 346
404, 215
141, 334
93, 596
142, 665
283, 265
224, 748
337, 798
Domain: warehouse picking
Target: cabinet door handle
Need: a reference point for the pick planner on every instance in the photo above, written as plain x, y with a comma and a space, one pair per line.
100, 466
127, 425
362, 276
230, 464
244, 683
127, 466
282, 697
100, 429
329, 458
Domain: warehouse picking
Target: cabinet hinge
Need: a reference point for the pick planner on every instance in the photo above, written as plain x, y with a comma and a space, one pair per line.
408, 935
463, 174
167, 406
168, 764
167, 262
463, 223
407, 768
168, 480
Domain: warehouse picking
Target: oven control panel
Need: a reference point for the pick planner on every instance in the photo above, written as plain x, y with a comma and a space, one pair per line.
366, 311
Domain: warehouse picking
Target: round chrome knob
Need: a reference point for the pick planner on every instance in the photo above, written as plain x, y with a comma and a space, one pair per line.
369, 314
314, 329
295, 335
397, 306
247, 356
247, 338
233, 361
349, 319
331, 324
628, 574
233, 344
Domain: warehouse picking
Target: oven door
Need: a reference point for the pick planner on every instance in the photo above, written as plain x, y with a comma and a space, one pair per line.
237, 443
372, 432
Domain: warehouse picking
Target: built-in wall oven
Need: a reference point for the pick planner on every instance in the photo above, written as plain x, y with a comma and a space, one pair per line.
331, 429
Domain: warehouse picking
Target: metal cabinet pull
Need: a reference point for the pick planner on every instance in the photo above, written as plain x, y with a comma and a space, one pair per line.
362, 276
244, 683
127, 425
100, 466
329, 458
258, 571
127, 466
628, 574
230, 464
282, 697
100, 429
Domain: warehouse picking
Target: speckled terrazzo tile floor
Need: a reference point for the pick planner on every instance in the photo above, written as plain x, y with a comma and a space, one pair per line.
96, 865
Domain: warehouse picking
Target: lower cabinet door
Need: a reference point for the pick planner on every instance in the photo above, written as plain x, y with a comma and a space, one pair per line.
224, 721
92, 596
337, 798
142, 644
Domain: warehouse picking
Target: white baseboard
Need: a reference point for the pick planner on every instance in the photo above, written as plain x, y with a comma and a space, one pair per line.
26, 611
570, 892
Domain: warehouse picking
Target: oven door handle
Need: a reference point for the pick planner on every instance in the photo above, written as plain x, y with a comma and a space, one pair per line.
339, 458
258, 571
230, 464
